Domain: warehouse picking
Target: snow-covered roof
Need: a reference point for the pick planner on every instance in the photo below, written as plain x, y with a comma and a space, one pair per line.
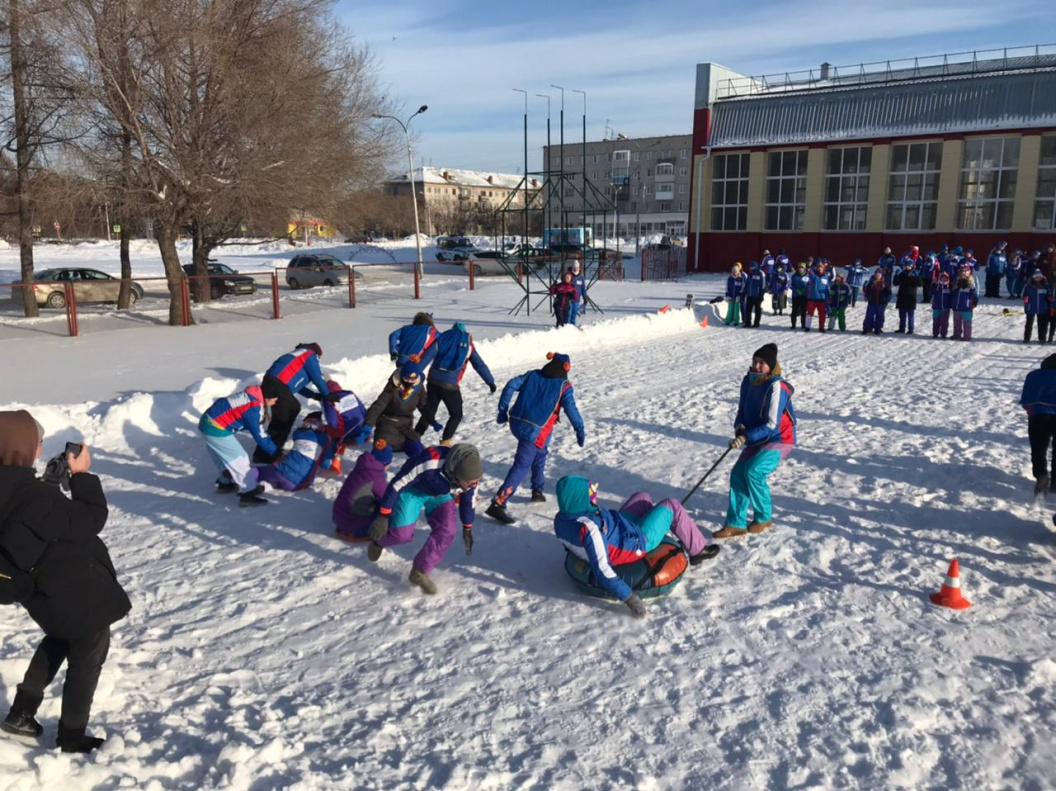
462, 178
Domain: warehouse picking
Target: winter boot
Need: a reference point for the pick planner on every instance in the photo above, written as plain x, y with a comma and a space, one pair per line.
422, 581
252, 498
538, 496
729, 532
759, 527
74, 740
374, 552
499, 514
710, 551
20, 723
262, 457
1041, 488
227, 487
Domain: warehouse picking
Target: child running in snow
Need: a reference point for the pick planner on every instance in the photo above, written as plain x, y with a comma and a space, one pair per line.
605, 537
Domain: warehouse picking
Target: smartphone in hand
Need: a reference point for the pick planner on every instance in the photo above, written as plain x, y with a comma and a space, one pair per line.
73, 449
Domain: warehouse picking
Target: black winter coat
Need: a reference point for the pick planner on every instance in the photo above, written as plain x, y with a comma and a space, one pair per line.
393, 417
75, 591
908, 283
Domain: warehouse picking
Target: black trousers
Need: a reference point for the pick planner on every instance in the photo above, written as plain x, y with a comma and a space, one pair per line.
926, 289
84, 659
1043, 327
1041, 429
283, 416
799, 308
449, 397
753, 311
780, 302
993, 285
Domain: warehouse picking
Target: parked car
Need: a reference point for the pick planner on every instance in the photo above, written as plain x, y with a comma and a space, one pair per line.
566, 250
318, 269
454, 248
89, 285
231, 282
484, 262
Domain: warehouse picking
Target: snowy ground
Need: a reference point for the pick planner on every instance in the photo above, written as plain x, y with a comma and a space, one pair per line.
263, 653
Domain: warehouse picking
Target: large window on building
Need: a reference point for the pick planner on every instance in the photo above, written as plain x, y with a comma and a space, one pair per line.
786, 190
913, 192
729, 192
847, 189
1045, 205
988, 183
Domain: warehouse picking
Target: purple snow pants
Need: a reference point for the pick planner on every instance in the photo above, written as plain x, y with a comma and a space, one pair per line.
682, 525
441, 513
271, 475
874, 318
940, 323
962, 325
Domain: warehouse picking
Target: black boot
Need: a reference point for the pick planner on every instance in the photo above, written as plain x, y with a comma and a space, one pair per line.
710, 551
538, 496
20, 722
499, 514
252, 498
74, 740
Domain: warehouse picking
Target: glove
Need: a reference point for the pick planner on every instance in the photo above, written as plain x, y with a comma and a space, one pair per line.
493, 388
437, 425
333, 398
313, 396
738, 442
379, 527
503, 416
393, 356
581, 437
635, 605
467, 539
363, 435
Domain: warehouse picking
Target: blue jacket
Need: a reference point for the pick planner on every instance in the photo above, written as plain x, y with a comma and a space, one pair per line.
345, 416
735, 285
1037, 299
454, 351
779, 282
312, 449
235, 413
537, 408
580, 282
1039, 391
296, 369
767, 265
764, 412
425, 474
800, 284
996, 263
855, 275
413, 339
964, 300
818, 288
941, 298
784, 263
604, 538
840, 296
756, 283
887, 261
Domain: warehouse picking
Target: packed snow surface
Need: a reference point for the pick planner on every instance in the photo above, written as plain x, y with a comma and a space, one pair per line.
263, 653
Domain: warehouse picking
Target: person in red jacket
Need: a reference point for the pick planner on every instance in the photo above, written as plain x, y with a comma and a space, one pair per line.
565, 296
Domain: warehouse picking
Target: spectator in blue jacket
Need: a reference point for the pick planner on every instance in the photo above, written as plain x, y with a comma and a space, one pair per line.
941, 300
782, 262
800, 285
818, 287
606, 537
765, 426
442, 482
314, 444
414, 342
242, 411
963, 301
767, 265
754, 289
1037, 302
289, 375
877, 295
454, 351
1012, 272
579, 280
735, 284
996, 263
855, 278
778, 288
887, 264
541, 395
1039, 400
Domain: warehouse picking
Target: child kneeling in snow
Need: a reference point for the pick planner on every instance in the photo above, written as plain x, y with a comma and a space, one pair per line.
357, 502
605, 538
313, 447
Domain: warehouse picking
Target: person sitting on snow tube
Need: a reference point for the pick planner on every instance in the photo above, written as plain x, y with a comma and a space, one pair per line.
357, 502
608, 539
313, 447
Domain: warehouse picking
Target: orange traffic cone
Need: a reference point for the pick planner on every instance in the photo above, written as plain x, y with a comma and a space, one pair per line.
336, 466
664, 309
950, 595
704, 323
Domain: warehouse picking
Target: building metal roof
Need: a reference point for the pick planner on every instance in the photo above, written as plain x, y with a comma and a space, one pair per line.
925, 105
461, 178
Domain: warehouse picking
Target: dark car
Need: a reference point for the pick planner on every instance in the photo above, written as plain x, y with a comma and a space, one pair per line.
566, 250
225, 280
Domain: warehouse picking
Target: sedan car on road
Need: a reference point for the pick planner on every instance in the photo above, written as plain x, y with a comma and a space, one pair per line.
89, 285
224, 280
318, 269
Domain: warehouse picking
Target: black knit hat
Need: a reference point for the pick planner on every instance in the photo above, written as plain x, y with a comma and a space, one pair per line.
768, 354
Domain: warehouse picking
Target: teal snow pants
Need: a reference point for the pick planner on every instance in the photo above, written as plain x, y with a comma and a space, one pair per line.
749, 486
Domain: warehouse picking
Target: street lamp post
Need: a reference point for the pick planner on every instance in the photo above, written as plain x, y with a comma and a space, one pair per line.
410, 175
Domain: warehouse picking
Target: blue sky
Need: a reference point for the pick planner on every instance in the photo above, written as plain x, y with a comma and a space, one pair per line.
636, 61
